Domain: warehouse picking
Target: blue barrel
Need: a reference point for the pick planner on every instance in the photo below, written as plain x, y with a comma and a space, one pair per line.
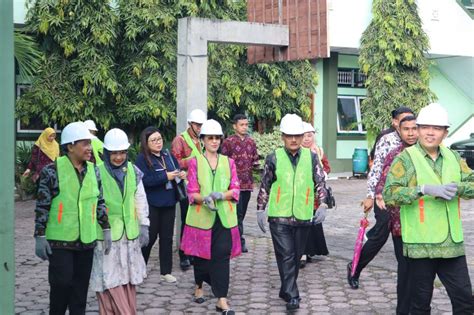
360, 161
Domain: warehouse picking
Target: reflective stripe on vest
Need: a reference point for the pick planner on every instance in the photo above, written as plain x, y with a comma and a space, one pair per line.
292, 194
97, 149
73, 211
194, 150
429, 220
120, 208
200, 216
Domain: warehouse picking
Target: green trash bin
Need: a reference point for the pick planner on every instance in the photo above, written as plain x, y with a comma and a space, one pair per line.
360, 162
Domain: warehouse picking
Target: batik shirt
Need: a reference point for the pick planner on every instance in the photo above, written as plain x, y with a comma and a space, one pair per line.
386, 144
244, 153
48, 189
401, 189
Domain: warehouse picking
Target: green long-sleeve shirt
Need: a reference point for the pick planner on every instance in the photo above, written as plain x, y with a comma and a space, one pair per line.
401, 188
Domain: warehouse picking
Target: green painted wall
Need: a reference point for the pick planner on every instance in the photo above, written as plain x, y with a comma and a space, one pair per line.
7, 160
348, 61
345, 148
318, 102
458, 104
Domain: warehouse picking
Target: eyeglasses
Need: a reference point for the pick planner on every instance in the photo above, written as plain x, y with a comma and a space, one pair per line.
213, 137
155, 140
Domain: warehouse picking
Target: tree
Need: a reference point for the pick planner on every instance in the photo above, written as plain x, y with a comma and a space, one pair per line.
27, 54
392, 55
77, 79
148, 67
119, 65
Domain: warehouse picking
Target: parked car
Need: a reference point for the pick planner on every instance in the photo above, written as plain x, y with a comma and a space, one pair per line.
466, 150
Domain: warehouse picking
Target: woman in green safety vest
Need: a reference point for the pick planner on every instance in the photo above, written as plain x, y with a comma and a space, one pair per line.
211, 233
69, 210
115, 276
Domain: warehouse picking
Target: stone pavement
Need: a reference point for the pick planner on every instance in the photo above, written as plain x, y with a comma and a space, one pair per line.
254, 275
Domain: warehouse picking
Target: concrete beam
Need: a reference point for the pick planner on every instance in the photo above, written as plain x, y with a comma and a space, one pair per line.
194, 34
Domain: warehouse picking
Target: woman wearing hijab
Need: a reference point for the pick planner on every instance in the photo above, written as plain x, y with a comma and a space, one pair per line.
44, 152
160, 173
316, 244
211, 233
114, 276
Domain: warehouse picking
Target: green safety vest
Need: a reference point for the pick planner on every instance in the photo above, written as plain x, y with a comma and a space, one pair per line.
97, 149
200, 216
194, 150
292, 194
429, 220
120, 207
73, 211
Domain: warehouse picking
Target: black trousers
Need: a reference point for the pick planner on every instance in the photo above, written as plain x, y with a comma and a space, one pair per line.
376, 238
403, 278
242, 206
216, 271
289, 242
162, 225
183, 205
454, 275
69, 273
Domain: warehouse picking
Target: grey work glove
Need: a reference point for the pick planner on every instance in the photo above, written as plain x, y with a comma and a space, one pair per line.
209, 202
261, 218
107, 241
144, 236
446, 192
42, 248
216, 195
320, 214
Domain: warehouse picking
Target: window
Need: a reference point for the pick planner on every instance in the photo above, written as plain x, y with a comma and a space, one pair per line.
35, 124
349, 119
348, 77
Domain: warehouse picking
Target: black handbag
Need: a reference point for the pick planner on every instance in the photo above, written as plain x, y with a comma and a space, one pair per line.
330, 200
178, 184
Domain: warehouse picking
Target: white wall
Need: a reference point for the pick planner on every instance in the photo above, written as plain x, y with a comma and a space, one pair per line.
449, 28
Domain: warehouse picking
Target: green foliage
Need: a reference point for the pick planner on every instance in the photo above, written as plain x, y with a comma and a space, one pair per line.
392, 56
27, 54
118, 66
24, 186
77, 79
267, 143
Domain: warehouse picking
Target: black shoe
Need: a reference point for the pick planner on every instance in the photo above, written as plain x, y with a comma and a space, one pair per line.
185, 264
244, 249
199, 300
302, 263
352, 280
293, 304
228, 311
309, 259
283, 297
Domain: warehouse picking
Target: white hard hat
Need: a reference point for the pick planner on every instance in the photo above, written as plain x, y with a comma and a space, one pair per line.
75, 131
90, 124
116, 140
211, 127
307, 127
197, 116
433, 115
292, 124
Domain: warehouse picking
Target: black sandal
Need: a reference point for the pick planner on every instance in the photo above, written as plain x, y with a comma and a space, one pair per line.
227, 311
199, 300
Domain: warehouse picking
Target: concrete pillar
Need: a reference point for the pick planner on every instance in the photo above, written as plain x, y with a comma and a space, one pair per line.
193, 37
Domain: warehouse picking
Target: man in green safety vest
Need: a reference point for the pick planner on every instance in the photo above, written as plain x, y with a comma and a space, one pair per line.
184, 147
97, 144
292, 178
68, 210
427, 180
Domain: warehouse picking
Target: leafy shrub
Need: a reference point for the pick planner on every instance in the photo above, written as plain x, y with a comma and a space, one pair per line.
266, 144
25, 186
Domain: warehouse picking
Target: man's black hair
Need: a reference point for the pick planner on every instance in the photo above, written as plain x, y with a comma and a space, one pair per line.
238, 117
401, 110
407, 118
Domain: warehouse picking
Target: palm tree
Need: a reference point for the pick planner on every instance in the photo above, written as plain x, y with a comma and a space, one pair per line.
27, 54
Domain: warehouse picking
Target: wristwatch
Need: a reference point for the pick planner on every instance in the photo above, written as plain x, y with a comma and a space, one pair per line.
419, 190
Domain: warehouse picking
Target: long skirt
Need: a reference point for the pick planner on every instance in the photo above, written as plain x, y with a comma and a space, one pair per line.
316, 244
